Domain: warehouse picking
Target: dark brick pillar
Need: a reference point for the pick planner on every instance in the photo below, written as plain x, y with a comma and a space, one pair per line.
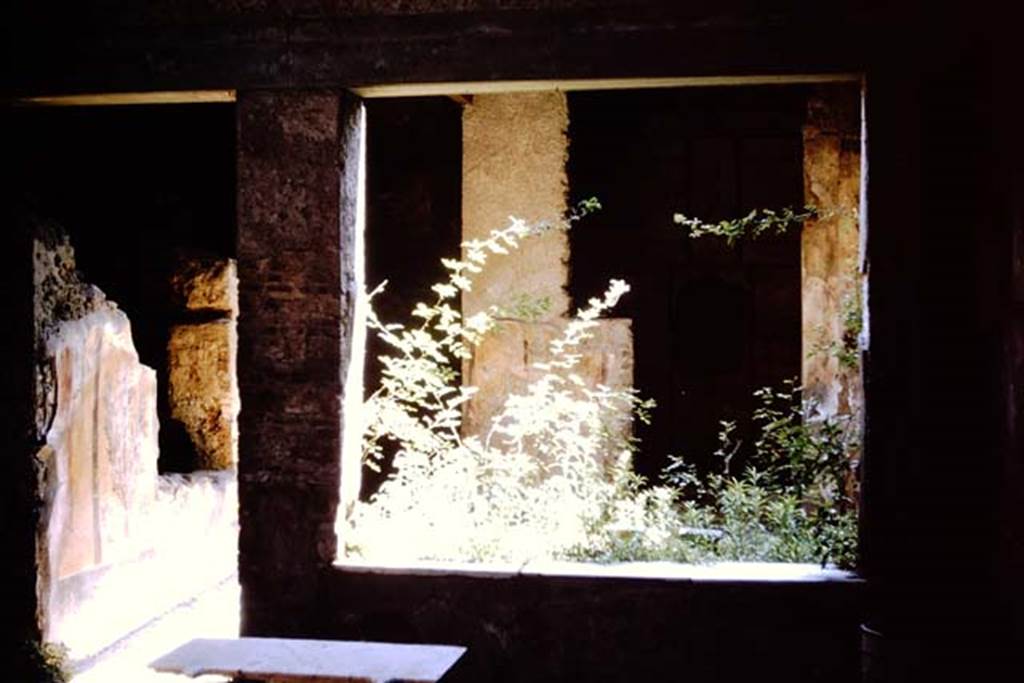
297, 169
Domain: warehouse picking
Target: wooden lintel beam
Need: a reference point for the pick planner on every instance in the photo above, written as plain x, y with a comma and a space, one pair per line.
127, 98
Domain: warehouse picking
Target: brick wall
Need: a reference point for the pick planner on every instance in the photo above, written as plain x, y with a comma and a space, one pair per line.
295, 226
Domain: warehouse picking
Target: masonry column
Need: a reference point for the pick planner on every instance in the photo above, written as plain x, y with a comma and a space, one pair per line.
515, 147
514, 151
298, 164
831, 279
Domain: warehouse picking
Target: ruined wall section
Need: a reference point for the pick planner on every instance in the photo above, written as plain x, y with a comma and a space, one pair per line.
109, 532
60, 296
515, 153
831, 276
202, 389
505, 364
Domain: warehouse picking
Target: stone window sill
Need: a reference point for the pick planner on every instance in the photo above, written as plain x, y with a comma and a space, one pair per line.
724, 572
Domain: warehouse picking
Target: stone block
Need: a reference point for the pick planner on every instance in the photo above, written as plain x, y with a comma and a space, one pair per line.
505, 363
205, 284
295, 659
202, 391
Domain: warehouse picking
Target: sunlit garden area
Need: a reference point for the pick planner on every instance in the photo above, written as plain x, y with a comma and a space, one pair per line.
667, 370
552, 476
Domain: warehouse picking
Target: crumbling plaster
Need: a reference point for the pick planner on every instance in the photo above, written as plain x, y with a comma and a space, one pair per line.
515, 149
830, 253
115, 546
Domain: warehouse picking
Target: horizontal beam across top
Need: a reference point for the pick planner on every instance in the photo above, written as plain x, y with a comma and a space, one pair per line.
485, 87
128, 98
539, 48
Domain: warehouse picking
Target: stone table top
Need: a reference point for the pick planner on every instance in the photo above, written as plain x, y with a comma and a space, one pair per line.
289, 659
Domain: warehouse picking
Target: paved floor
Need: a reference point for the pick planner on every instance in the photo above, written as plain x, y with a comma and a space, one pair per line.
213, 614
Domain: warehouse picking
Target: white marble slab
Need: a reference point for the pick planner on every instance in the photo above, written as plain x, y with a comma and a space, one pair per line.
289, 659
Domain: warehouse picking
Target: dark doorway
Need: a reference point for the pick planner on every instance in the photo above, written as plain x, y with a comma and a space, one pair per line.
711, 323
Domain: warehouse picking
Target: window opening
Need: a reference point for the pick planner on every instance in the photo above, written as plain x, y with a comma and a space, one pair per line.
708, 324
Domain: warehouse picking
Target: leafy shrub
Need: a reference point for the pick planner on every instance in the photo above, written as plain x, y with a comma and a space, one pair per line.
552, 478
535, 484
794, 500
752, 226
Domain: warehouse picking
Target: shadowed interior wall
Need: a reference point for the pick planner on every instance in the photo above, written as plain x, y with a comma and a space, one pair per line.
19, 503
566, 628
711, 323
1009, 173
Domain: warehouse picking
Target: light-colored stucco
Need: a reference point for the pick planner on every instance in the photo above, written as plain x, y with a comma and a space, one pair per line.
831, 279
514, 153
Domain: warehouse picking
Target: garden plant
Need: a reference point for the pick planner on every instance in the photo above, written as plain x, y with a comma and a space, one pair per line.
552, 478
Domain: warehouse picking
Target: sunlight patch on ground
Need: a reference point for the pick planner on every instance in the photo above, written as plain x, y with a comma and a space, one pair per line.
214, 614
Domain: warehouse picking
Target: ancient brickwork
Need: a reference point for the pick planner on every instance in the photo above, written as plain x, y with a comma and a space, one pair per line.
298, 158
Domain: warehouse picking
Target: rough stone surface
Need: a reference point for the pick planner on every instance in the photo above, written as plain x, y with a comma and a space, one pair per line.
503, 364
514, 150
831, 276
298, 185
60, 292
202, 391
205, 285
59, 295
109, 529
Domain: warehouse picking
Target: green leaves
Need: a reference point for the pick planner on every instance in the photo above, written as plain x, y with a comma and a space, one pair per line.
554, 463
752, 226
552, 477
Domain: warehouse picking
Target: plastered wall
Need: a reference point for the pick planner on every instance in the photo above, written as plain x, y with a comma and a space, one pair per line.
514, 151
831, 277
117, 545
